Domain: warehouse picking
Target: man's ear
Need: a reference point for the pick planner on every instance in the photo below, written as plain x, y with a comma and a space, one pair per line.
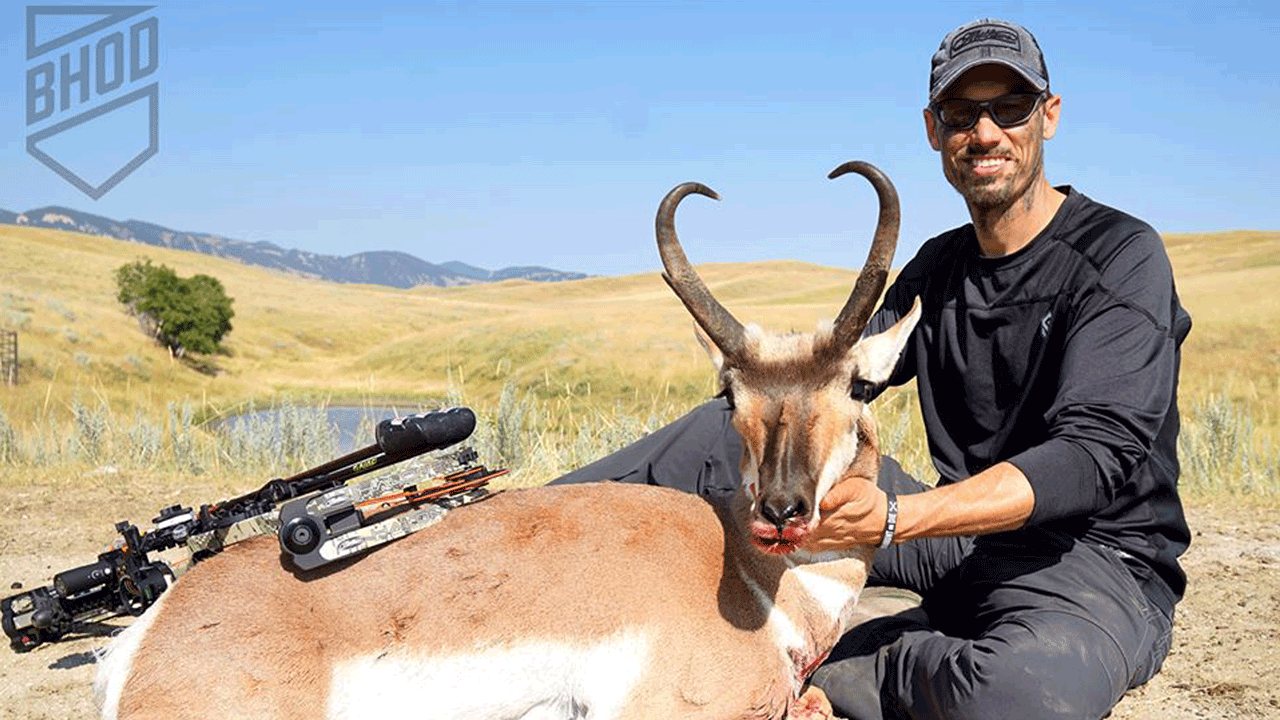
876, 356
717, 357
1052, 111
931, 130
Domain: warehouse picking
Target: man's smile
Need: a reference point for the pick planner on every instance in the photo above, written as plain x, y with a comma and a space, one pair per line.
986, 166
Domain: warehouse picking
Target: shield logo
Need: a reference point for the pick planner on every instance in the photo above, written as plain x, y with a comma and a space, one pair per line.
92, 103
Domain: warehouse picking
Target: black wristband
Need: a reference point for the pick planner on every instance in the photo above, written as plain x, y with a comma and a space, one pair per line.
890, 519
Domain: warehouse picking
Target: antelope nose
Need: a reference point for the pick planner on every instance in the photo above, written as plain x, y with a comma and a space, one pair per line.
778, 510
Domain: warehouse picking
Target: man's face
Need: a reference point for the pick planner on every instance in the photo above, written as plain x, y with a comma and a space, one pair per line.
988, 165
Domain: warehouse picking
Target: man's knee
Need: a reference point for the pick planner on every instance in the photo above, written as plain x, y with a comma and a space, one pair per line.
685, 454
1019, 674
853, 673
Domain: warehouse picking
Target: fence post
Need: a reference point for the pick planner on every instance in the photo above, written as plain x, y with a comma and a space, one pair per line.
9, 356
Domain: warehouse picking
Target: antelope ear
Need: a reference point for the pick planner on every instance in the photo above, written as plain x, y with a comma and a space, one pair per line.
876, 356
717, 357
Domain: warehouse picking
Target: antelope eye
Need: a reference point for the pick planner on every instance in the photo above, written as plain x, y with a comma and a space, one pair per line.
861, 390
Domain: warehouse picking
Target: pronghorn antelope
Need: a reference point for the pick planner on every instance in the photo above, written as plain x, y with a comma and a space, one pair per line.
602, 600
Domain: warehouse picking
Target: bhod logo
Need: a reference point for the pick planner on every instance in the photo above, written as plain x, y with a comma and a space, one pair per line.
93, 105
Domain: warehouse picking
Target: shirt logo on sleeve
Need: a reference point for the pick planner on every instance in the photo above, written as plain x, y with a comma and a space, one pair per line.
1044, 324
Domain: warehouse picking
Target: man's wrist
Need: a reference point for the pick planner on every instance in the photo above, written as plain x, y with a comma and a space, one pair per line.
890, 519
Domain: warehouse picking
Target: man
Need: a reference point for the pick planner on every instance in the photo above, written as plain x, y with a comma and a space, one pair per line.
1046, 364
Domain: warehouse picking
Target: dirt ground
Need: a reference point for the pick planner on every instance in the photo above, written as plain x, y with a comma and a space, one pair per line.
1224, 662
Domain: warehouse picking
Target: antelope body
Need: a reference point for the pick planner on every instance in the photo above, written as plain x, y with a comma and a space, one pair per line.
603, 600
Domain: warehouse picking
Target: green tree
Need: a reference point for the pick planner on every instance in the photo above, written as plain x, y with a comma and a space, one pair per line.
183, 314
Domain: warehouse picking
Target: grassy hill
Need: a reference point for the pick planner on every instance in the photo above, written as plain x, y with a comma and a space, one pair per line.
300, 338
1230, 282
599, 345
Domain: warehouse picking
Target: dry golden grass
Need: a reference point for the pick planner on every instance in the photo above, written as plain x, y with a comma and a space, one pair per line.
609, 339
594, 347
1230, 282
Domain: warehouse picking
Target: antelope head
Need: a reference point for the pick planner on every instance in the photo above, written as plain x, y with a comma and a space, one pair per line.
798, 399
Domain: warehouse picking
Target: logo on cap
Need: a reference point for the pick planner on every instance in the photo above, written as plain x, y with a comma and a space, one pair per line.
986, 36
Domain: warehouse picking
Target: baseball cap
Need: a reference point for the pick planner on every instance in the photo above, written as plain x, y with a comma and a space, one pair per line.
984, 42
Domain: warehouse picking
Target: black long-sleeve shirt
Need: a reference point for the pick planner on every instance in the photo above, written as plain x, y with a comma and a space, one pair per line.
1062, 359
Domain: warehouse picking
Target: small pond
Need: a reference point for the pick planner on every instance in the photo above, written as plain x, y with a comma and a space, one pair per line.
343, 428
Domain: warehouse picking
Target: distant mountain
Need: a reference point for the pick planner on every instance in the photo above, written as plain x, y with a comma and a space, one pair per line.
465, 270
526, 272
523, 272
377, 267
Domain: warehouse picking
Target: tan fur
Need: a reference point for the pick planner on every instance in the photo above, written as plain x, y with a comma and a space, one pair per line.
241, 635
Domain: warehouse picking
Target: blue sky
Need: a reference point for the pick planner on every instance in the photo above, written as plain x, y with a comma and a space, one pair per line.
507, 133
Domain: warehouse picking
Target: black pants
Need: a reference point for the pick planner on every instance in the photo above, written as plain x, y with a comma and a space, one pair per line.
1057, 628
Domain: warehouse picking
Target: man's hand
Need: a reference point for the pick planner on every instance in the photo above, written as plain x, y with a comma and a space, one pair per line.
851, 514
995, 500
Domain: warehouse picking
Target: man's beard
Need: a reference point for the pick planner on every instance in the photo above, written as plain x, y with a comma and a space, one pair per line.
999, 193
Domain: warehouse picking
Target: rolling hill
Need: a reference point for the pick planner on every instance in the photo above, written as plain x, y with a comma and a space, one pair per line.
606, 342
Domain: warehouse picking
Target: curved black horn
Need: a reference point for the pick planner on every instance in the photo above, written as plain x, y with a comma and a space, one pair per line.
871, 280
721, 327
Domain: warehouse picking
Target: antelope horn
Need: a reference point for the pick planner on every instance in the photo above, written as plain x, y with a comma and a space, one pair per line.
721, 327
857, 309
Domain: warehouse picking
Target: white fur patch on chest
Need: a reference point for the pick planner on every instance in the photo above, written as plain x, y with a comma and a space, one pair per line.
830, 595
831, 598
529, 680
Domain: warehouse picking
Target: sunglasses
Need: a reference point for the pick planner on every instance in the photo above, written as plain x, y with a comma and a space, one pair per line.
1006, 111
